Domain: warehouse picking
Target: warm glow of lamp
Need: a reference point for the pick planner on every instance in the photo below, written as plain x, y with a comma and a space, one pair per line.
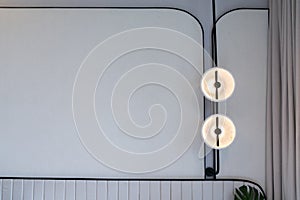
217, 84
218, 131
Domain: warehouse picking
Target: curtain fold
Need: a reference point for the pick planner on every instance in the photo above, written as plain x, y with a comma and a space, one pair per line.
283, 101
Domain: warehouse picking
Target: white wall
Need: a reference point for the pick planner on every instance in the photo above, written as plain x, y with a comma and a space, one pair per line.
242, 49
59, 64
224, 6
200, 8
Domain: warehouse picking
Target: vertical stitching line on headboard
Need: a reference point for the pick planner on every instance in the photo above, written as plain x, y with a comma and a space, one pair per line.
139, 190
106, 191
170, 190
11, 188
181, 190
160, 195
96, 189
223, 188
43, 189
1, 188
86, 194
212, 189
22, 190
65, 189
75, 189
149, 189
54, 189
118, 186
33, 188
202, 191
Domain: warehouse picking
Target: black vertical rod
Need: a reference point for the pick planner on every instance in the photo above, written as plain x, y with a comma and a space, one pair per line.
216, 153
214, 36
216, 164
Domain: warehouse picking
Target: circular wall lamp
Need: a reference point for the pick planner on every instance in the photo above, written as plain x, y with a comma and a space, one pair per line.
217, 84
218, 131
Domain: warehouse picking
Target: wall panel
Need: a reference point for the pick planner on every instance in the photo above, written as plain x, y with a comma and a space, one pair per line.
242, 37
99, 92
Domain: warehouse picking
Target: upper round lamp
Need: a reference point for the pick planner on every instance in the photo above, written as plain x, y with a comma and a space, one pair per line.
217, 84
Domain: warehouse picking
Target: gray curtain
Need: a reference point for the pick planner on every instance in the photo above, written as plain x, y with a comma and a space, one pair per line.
283, 101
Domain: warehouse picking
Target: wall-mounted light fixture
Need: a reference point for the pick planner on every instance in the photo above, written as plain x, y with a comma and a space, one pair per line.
217, 84
218, 131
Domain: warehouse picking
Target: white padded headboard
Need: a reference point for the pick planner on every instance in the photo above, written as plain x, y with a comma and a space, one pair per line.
43, 189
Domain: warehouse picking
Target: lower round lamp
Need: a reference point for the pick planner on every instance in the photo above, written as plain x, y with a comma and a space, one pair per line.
218, 131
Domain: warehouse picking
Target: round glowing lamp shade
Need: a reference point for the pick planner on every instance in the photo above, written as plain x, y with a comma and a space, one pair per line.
217, 84
218, 131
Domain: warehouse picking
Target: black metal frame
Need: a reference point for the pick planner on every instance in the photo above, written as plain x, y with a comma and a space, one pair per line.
216, 158
214, 171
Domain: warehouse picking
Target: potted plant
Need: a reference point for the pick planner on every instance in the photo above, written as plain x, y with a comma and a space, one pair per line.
247, 192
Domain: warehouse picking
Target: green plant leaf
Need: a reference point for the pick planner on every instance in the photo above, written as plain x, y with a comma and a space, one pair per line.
256, 194
236, 198
261, 196
243, 189
239, 194
247, 192
251, 193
